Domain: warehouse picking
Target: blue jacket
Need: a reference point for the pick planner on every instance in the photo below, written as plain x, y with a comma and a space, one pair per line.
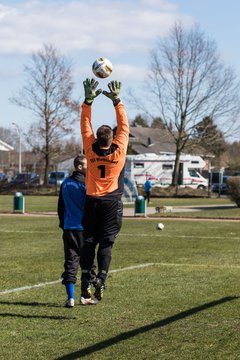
148, 185
71, 202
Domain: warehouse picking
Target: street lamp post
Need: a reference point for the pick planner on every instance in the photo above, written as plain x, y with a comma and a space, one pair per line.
20, 147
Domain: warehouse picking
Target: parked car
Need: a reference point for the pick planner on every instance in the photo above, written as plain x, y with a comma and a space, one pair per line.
57, 177
221, 188
26, 178
3, 179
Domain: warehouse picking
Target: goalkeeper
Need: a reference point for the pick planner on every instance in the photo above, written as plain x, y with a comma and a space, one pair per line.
103, 208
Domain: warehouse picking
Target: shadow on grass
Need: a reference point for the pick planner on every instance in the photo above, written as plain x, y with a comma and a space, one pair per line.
36, 316
129, 334
212, 207
34, 303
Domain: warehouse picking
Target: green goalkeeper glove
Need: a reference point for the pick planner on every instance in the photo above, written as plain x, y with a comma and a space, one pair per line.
115, 88
90, 90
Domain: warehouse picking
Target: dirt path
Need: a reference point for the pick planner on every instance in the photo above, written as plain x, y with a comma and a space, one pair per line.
129, 214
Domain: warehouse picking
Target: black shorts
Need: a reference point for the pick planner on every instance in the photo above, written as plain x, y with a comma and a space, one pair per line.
102, 218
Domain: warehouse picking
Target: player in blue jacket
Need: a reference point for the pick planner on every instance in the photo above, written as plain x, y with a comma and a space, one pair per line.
147, 189
70, 209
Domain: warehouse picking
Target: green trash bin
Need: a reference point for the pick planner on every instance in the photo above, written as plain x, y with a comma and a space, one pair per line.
18, 202
140, 206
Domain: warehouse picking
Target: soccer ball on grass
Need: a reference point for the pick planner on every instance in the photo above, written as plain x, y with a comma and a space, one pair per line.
160, 226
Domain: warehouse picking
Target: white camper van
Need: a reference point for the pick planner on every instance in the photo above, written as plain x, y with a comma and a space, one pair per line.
159, 168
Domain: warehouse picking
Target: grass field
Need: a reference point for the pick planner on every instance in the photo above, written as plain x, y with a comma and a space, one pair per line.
32, 203
36, 204
171, 294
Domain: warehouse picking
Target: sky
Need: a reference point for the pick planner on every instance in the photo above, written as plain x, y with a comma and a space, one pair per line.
124, 31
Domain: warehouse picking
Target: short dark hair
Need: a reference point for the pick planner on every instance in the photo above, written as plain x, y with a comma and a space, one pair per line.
104, 135
79, 160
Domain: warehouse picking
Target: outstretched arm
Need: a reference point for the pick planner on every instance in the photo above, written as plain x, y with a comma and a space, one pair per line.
122, 121
91, 92
122, 133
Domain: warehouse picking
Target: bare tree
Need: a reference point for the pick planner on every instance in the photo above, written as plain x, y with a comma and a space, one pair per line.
46, 94
187, 83
232, 157
7, 135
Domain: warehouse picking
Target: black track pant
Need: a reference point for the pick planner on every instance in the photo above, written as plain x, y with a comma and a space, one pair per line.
147, 196
73, 244
102, 221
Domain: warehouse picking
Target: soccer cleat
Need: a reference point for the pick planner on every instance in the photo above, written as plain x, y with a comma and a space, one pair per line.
70, 303
87, 301
86, 289
99, 288
85, 298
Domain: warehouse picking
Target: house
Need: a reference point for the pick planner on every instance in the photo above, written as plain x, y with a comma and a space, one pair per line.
149, 140
5, 147
5, 155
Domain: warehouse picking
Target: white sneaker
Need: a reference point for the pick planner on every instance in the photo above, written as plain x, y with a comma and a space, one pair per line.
87, 301
69, 303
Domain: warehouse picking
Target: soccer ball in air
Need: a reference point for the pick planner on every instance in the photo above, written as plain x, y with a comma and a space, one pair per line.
102, 67
160, 226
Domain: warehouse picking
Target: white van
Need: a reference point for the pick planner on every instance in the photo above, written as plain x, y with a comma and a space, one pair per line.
159, 168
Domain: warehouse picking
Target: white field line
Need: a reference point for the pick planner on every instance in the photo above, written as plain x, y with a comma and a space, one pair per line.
163, 234
29, 287
132, 267
129, 268
205, 266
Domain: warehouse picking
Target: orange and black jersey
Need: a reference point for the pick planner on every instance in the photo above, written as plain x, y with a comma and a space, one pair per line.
105, 168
